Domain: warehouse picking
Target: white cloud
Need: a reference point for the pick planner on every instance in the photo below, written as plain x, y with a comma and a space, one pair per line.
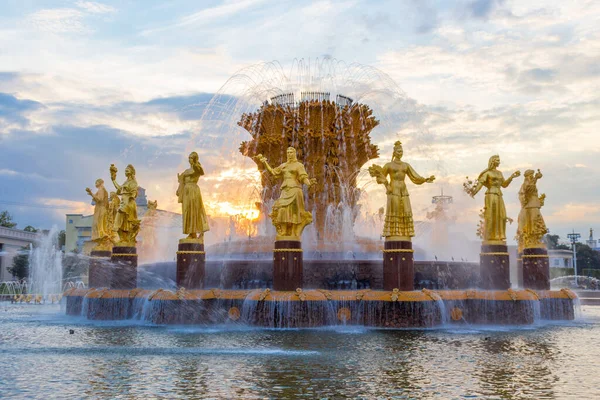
95, 8
59, 20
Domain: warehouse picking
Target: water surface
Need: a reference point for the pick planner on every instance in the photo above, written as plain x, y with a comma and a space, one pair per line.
41, 359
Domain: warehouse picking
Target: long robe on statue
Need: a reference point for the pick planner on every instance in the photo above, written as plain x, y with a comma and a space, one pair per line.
194, 216
289, 208
494, 211
398, 215
100, 225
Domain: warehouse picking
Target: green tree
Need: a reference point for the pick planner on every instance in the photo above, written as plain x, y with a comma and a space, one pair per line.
30, 228
62, 239
552, 241
6, 220
20, 267
587, 258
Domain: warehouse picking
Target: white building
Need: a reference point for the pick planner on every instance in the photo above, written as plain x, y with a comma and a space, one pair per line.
11, 241
560, 258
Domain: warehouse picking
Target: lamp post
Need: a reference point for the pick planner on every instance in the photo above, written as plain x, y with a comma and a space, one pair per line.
574, 237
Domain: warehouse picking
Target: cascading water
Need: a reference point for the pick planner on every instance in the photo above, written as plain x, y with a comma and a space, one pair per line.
45, 266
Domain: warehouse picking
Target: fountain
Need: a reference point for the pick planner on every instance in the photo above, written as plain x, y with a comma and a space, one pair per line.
309, 150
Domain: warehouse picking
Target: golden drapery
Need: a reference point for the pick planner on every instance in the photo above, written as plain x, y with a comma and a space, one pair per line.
100, 228
398, 215
494, 212
289, 208
126, 216
193, 214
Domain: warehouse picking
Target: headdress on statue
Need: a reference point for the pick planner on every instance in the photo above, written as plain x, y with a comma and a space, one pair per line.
529, 172
294, 157
397, 144
130, 167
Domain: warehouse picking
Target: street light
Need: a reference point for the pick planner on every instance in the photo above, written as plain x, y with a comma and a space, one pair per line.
574, 237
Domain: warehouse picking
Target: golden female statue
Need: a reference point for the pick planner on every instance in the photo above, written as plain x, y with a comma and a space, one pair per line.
531, 223
127, 223
399, 223
494, 211
100, 230
289, 215
188, 194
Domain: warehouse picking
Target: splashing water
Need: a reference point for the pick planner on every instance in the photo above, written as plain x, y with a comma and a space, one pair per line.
45, 266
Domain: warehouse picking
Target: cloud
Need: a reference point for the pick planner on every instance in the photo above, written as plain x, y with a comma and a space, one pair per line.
15, 111
482, 9
68, 20
95, 8
59, 20
207, 15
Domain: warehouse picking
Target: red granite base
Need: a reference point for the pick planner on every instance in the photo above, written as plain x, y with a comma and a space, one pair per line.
495, 267
315, 308
536, 269
398, 266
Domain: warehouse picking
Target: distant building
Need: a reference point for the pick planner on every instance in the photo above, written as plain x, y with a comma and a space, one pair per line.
11, 241
560, 258
593, 243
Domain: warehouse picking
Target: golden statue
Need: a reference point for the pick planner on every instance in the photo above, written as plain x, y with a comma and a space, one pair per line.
531, 223
113, 206
126, 222
289, 215
494, 211
188, 193
101, 233
398, 213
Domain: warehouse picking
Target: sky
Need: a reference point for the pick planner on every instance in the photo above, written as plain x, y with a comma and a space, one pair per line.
84, 84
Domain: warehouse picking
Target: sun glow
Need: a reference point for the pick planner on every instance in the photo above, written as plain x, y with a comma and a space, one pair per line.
227, 208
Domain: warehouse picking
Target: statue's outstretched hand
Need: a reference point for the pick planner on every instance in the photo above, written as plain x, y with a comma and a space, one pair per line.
516, 174
430, 179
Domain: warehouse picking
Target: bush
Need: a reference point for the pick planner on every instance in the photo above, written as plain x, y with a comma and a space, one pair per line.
594, 273
558, 272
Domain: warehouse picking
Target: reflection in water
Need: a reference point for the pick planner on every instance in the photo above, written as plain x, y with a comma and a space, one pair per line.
40, 359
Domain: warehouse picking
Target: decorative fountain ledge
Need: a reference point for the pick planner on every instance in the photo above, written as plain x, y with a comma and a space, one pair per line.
315, 308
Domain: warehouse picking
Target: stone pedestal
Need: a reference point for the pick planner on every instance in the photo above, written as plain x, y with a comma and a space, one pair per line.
287, 265
191, 262
100, 270
536, 269
495, 267
124, 260
398, 265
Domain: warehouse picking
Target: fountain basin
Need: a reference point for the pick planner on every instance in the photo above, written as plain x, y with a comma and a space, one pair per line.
315, 308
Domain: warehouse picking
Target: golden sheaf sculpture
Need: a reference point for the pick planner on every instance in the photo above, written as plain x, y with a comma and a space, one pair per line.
398, 223
126, 222
494, 211
531, 223
289, 215
188, 193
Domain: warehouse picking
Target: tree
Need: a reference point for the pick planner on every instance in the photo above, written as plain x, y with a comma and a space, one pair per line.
587, 258
30, 228
552, 241
6, 220
20, 267
62, 239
